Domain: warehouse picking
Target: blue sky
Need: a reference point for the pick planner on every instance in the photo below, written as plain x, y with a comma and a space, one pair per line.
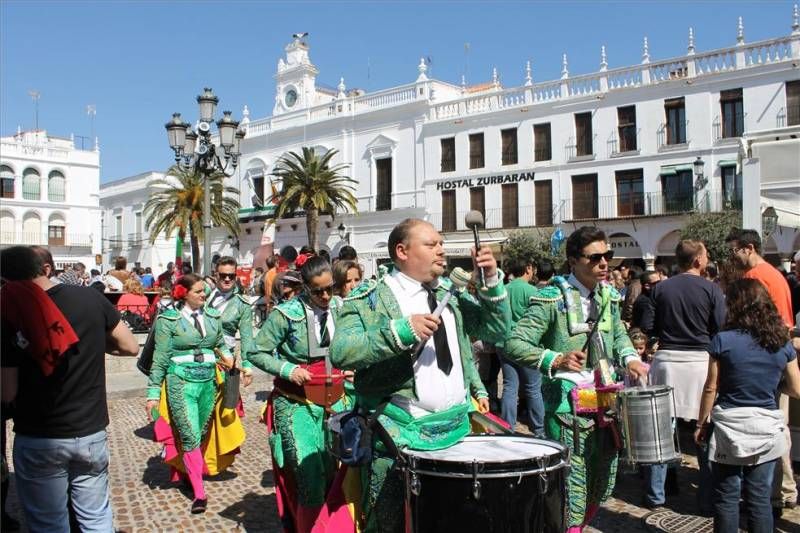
139, 61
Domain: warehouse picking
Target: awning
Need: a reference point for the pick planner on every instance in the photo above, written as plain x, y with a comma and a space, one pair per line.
727, 163
671, 170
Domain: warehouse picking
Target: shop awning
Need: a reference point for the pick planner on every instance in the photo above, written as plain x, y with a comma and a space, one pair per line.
727, 163
671, 170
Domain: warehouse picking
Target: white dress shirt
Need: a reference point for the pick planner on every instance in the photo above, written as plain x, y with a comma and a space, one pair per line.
436, 390
329, 321
187, 313
219, 300
585, 301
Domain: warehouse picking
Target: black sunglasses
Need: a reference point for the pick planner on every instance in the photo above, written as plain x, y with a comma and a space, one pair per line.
595, 258
230, 276
319, 290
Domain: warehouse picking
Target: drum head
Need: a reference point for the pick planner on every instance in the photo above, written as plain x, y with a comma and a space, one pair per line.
490, 454
649, 390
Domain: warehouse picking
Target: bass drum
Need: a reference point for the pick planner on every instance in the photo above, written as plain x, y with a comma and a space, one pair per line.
504, 483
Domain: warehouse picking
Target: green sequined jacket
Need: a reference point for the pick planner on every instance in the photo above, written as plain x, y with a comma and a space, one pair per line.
174, 335
238, 316
376, 340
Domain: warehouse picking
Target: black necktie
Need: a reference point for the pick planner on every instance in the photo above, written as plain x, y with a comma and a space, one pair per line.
198, 356
594, 312
443, 358
324, 336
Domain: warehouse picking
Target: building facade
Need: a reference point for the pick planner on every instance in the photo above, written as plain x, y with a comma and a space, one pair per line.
50, 195
632, 150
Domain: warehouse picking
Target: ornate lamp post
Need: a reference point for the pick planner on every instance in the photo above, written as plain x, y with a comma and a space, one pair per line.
700, 179
195, 151
769, 222
342, 231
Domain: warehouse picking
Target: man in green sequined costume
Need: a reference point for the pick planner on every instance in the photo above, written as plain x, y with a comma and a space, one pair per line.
380, 326
188, 339
292, 345
235, 312
551, 337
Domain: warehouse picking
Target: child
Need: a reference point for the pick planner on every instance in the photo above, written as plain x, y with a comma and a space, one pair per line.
639, 341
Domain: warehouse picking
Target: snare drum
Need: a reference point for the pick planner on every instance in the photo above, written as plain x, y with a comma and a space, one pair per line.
504, 483
647, 417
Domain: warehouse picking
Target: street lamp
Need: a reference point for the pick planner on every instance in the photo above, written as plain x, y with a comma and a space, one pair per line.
769, 221
341, 229
196, 151
700, 179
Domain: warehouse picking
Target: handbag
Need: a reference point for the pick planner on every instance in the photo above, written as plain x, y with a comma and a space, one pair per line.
230, 392
357, 431
145, 360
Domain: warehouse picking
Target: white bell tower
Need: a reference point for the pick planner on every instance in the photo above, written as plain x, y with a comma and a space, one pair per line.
295, 86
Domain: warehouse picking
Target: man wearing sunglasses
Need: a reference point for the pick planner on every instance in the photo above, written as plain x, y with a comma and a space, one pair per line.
573, 326
237, 315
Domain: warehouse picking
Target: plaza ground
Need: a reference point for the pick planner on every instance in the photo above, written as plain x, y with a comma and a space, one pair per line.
243, 498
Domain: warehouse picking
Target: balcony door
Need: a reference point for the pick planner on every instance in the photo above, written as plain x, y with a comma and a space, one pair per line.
584, 196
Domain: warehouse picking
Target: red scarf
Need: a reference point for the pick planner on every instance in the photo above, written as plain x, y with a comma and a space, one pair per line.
31, 312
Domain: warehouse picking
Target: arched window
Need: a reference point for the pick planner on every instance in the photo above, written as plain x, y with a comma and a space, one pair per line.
256, 171
32, 229
55, 230
7, 229
31, 184
56, 187
6, 182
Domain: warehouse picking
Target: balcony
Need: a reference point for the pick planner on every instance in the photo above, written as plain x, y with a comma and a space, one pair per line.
647, 204
580, 150
135, 239
63, 243
672, 136
116, 242
729, 129
493, 218
627, 144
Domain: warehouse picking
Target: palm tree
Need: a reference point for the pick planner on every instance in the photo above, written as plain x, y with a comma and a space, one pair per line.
176, 203
311, 184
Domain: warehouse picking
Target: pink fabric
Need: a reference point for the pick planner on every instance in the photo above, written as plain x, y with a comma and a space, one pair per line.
575, 529
335, 517
194, 463
591, 512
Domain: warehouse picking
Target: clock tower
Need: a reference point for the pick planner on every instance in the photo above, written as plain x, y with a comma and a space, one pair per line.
295, 86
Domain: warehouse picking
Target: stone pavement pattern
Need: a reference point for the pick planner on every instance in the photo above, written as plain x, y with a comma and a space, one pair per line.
243, 499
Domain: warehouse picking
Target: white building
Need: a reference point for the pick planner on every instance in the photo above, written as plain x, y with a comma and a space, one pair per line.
615, 148
126, 234
50, 195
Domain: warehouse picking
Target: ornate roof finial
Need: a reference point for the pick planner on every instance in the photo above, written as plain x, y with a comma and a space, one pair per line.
740, 32
494, 76
463, 83
564, 69
341, 88
690, 48
422, 68
528, 75
795, 20
245, 116
645, 52
603, 62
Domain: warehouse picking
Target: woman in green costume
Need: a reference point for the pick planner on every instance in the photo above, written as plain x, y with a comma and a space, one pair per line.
292, 345
188, 339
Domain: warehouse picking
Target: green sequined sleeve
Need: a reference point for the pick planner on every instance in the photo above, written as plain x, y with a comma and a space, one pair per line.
524, 345
161, 356
264, 353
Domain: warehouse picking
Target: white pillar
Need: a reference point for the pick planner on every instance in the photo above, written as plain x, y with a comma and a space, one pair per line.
751, 194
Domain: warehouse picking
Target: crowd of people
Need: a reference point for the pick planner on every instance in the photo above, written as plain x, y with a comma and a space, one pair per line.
720, 335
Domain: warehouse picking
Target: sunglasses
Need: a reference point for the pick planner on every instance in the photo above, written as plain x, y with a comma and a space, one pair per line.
318, 291
222, 276
595, 258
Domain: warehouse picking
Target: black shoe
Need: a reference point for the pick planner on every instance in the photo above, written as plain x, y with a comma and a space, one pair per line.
199, 506
9, 523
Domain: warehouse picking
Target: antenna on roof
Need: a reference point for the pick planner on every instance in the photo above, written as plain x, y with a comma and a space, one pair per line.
35, 95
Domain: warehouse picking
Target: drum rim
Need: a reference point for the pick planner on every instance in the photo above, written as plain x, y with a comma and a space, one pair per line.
491, 475
649, 390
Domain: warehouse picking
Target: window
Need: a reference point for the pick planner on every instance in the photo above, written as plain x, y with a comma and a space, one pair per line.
675, 109
583, 134
584, 196
31, 185
626, 125
56, 186
630, 193
8, 227
678, 191
384, 169
510, 205
793, 103
731, 188
448, 210
449, 154
508, 140
542, 150
732, 113
55, 235
258, 191
476, 159
6, 182
477, 200
139, 226
117, 238
543, 196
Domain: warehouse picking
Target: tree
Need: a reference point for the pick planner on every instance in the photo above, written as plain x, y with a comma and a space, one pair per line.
711, 229
312, 185
532, 245
176, 204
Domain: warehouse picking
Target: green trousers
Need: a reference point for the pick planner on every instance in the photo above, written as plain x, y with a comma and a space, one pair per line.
190, 407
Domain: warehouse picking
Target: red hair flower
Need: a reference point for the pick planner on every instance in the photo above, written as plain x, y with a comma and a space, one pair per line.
301, 260
179, 292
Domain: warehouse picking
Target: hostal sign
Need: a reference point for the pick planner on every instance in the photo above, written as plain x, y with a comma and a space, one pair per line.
480, 181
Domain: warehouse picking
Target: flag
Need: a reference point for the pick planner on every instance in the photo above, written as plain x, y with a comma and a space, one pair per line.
275, 199
178, 254
555, 241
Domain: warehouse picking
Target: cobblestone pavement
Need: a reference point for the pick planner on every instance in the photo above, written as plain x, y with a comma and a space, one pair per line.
243, 499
